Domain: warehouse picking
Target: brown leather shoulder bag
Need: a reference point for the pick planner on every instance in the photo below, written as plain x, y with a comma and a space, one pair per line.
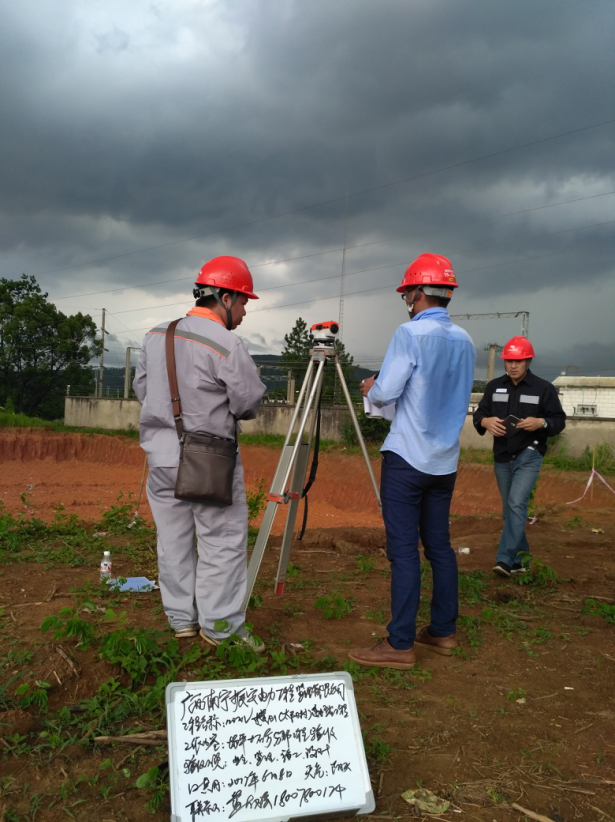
206, 463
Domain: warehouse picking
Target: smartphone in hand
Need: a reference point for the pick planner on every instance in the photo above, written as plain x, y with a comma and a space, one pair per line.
511, 424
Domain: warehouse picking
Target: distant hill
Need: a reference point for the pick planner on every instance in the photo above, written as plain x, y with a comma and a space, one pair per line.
272, 375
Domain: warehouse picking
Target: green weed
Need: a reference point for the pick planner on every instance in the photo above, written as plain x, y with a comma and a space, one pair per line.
366, 563
378, 751
575, 522
594, 608
376, 615
472, 628
256, 500
69, 625
335, 606
471, 586
156, 780
36, 697
537, 573
515, 693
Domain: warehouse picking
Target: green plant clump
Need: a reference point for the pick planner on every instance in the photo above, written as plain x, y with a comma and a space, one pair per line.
594, 608
335, 606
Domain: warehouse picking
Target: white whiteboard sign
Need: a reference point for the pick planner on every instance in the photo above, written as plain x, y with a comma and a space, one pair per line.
266, 749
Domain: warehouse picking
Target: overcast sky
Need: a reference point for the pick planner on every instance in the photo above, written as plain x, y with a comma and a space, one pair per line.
140, 139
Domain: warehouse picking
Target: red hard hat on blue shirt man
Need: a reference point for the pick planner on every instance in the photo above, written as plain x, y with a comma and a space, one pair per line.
431, 274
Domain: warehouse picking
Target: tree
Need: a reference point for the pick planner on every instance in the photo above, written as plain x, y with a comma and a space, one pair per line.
42, 350
331, 389
296, 356
296, 353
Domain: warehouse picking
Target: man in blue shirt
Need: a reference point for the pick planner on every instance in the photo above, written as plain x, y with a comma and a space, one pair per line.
428, 371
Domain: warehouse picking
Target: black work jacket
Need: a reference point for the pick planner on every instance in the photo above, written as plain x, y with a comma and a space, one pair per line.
532, 397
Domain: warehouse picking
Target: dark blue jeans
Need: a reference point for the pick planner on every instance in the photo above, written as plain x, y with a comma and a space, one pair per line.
414, 503
515, 482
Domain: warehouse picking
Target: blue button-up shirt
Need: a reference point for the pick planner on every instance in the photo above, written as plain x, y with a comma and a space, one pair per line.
428, 369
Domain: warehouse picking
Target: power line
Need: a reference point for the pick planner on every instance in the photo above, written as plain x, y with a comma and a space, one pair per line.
391, 265
382, 287
316, 253
381, 187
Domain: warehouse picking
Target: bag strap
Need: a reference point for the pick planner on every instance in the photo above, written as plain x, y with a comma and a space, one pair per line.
176, 403
172, 372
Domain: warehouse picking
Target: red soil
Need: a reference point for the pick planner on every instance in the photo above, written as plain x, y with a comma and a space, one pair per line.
86, 473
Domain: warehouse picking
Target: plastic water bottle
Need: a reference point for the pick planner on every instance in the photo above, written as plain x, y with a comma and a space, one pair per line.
463, 550
105, 567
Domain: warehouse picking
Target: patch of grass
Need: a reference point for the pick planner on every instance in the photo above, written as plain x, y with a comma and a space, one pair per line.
483, 456
10, 419
556, 456
378, 751
515, 693
471, 586
472, 628
592, 607
376, 615
537, 573
256, 500
366, 563
575, 522
334, 607
69, 540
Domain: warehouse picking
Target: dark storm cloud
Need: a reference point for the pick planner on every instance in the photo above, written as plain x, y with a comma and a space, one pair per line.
126, 127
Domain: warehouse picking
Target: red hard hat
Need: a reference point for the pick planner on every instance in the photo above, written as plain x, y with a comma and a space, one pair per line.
429, 269
228, 272
519, 348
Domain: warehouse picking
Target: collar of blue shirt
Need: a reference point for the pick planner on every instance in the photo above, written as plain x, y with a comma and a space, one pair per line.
435, 313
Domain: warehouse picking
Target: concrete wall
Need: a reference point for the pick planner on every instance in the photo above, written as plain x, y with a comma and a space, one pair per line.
580, 433
88, 412
112, 414
276, 419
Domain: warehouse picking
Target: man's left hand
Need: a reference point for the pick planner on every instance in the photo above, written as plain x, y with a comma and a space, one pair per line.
366, 385
530, 424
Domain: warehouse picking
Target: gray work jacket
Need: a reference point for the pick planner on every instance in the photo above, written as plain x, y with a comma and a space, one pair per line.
218, 383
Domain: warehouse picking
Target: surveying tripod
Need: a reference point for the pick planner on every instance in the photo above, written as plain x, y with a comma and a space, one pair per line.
287, 487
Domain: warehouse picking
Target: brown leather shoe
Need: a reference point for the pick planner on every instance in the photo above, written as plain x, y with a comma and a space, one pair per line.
440, 644
383, 655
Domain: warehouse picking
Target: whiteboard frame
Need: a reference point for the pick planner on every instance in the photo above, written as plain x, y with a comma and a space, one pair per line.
174, 688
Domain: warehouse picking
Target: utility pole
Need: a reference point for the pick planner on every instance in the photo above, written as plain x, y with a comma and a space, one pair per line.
127, 374
343, 277
102, 356
499, 315
290, 389
491, 361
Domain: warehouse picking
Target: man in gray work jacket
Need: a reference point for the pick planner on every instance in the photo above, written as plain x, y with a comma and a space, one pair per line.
518, 450
202, 590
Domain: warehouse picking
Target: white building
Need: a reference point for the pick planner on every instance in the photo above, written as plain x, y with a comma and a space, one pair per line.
587, 396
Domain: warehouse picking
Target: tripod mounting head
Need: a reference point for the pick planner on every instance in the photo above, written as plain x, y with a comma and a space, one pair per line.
325, 333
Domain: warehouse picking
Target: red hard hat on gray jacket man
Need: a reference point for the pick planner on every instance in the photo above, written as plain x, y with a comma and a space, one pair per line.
430, 273
224, 274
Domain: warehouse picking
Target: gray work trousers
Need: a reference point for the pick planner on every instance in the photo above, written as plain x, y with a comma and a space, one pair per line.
207, 583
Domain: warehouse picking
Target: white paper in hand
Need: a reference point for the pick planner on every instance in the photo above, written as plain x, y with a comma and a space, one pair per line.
387, 412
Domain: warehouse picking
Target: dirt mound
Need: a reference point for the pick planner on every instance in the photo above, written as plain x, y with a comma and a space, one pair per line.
38, 444
346, 541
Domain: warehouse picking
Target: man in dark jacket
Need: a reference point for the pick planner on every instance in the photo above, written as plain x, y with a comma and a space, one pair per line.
518, 446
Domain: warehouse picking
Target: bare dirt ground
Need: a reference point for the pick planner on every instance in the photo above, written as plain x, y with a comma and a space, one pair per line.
526, 713
87, 472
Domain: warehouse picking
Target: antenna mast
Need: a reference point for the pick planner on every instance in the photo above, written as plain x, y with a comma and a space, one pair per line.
343, 277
